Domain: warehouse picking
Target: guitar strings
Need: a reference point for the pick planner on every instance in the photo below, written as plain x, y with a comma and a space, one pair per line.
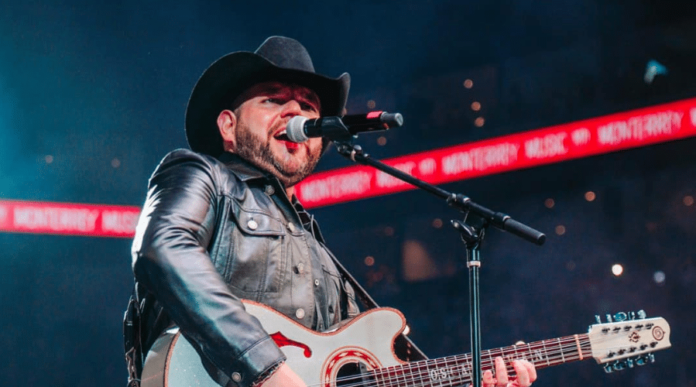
392, 376
399, 376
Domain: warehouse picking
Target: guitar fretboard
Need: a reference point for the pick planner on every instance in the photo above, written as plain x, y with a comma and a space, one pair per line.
457, 370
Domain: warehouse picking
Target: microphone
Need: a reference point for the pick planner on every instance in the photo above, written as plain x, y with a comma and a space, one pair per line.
301, 129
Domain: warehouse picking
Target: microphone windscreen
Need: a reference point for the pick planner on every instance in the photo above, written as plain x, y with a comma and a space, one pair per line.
295, 129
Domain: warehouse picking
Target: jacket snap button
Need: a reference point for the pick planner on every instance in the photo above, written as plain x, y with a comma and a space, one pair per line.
299, 313
299, 268
269, 190
291, 227
236, 377
316, 282
252, 224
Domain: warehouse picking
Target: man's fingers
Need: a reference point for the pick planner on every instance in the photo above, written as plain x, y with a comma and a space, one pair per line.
501, 372
526, 374
488, 379
525, 371
531, 369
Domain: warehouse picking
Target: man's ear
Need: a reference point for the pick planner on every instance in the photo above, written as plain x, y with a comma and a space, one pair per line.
227, 124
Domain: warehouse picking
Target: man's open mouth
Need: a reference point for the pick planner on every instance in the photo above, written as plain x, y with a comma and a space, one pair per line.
283, 136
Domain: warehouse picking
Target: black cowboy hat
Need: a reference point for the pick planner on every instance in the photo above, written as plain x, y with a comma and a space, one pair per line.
277, 59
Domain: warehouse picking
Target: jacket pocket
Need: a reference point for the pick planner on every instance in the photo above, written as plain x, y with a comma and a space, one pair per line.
257, 262
333, 292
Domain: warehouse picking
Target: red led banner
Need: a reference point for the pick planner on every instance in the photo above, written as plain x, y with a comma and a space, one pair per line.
590, 137
68, 219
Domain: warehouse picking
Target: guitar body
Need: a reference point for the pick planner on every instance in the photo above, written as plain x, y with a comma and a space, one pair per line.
316, 357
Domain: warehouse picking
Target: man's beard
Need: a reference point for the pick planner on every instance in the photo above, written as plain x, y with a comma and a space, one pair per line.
254, 150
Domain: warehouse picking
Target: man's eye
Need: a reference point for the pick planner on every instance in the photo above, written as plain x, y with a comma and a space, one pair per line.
308, 106
272, 100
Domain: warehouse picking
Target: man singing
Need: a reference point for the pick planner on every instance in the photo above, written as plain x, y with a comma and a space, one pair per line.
221, 222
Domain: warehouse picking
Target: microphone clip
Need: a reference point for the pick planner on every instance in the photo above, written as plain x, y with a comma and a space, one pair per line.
349, 150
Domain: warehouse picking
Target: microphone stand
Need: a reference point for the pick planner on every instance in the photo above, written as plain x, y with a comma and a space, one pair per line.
472, 236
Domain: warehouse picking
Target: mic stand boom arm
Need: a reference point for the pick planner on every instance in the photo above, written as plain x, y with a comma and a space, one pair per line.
471, 236
459, 201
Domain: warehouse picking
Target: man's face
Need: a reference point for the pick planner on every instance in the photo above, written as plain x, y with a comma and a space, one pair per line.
260, 126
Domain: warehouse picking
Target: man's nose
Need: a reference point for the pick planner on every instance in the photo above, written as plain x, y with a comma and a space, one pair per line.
292, 108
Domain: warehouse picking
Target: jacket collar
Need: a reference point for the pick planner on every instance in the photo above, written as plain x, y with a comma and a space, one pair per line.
244, 170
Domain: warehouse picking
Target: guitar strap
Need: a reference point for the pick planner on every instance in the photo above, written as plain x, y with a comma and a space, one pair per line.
132, 339
403, 346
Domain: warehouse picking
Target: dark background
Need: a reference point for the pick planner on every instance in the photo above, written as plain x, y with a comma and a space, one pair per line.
102, 89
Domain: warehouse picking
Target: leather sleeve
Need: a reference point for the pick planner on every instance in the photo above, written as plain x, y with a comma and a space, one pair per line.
171, 260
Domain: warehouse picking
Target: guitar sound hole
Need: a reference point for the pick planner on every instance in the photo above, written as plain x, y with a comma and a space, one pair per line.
354, 374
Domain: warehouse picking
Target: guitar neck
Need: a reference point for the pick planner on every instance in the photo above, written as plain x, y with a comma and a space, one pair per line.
457, 370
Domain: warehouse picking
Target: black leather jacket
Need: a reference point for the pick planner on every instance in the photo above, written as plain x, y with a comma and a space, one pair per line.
214, 231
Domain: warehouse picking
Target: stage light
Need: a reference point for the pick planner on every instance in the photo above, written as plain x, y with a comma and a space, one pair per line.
371, 104
382, 141
468, 83
115, 162
560, 229
549, 203
389, 231
590, 196
659, 277
617, 270
479, 122
49, 159
652, 69
437, 223
476, 106
369, 260
688, 200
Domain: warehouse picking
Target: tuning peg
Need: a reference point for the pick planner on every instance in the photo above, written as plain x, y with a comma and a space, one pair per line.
608, 368
621, 316
619, 365
631, 315
598, 319
643, 360
629, 363
608, 318
641, 314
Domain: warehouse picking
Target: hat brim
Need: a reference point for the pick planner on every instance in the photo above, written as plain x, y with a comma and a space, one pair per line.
234, 73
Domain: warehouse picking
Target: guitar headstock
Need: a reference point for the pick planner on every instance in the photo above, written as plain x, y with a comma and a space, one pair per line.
627, 340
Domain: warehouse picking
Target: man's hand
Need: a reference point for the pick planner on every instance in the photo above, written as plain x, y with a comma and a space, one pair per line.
526, 374
284, 377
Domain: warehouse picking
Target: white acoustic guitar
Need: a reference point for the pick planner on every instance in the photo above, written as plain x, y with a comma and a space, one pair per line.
329, 359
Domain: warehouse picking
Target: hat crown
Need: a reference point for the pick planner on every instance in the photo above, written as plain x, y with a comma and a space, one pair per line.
286, 53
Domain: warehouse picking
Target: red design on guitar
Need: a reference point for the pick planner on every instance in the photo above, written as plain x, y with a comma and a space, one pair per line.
282, 341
